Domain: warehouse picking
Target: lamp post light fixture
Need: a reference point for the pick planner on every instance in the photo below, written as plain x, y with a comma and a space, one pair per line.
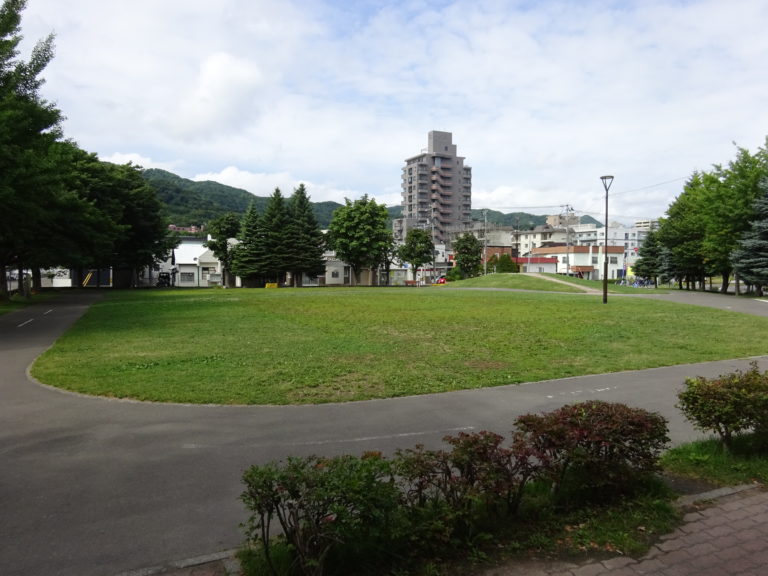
607, 181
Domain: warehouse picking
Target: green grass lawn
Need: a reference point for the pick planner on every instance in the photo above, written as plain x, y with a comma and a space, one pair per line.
325, 345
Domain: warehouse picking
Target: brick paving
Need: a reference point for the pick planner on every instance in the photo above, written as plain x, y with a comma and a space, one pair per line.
725, 533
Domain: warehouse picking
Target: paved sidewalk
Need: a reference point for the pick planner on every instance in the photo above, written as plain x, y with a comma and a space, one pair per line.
725, 532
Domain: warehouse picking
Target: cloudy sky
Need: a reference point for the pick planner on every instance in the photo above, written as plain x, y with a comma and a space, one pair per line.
542, 97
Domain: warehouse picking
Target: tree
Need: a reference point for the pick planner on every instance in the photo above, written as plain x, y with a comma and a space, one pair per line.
503, 263
650, 262
221, 230
682, 233
750, 259
468, 254
145, 238
274, 235
359, 233
307, 243
728, 196
417, 250
29, 126
247, 256
389, 255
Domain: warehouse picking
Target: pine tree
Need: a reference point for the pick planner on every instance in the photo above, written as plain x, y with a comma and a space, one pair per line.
275, 238
649, 263
306, 241
750, 259
247, 256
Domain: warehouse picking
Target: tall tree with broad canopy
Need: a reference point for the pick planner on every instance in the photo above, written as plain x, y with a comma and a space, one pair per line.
29, 126
306, 241
145, 239
359, 233
417, 250
682, 233
468, 254
728, 196
222, 229
750, 259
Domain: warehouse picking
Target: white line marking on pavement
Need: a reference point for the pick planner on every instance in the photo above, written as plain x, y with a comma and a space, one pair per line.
47, 312
25, 323
385, 437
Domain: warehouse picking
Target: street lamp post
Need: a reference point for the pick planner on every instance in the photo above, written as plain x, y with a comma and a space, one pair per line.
607, 181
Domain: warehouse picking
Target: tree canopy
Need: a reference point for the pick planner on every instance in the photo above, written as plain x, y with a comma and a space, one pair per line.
750, 258
417, 250
359, 233
60, 205
468, 254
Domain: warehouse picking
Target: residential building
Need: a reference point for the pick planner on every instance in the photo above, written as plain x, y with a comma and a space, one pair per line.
585, 261
436, 190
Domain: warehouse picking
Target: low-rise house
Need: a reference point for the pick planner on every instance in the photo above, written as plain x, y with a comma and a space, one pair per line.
586, 261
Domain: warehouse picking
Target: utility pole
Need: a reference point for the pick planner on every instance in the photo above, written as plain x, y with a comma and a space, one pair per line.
567, 209
485, 241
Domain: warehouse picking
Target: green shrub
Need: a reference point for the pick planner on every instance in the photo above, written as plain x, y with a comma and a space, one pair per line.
594, 448
348, 515
727, 405
343, 506
451, 494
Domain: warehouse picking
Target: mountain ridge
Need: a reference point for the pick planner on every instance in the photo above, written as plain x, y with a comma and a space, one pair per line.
189, 202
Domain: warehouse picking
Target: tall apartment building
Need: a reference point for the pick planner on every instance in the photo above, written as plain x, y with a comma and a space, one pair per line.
436, 190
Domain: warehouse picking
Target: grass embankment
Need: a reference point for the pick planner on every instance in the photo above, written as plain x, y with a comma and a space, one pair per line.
16, 301
323, 345
517, 282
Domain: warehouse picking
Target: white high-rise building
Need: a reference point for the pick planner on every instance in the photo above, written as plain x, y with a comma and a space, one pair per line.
436, 190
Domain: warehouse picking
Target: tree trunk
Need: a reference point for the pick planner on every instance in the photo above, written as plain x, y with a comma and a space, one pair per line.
3, 282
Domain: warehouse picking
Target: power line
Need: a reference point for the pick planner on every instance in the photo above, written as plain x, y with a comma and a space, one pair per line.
648, 187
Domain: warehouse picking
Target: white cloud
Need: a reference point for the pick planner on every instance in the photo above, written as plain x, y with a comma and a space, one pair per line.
542, 98
137, 160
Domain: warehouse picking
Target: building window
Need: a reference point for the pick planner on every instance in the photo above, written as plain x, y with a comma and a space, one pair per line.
594, 259
614, 260
187, 276
335, 274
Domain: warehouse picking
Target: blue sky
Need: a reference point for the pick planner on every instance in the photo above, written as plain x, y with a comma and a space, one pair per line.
542, 98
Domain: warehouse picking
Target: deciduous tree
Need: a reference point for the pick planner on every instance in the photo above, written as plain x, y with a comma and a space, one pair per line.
359, 234
222, 229
468, 254
29, 125
417, 250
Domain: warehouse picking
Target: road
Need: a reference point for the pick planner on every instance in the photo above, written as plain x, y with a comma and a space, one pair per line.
95, 486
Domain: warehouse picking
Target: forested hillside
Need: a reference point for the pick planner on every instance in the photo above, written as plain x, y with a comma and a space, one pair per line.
189, 203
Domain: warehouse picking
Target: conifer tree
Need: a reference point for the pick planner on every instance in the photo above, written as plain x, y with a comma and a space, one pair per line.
247, 256
306, 241
275, 238
750, 259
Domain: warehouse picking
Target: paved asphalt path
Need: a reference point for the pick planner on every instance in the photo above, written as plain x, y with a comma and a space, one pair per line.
93, 486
